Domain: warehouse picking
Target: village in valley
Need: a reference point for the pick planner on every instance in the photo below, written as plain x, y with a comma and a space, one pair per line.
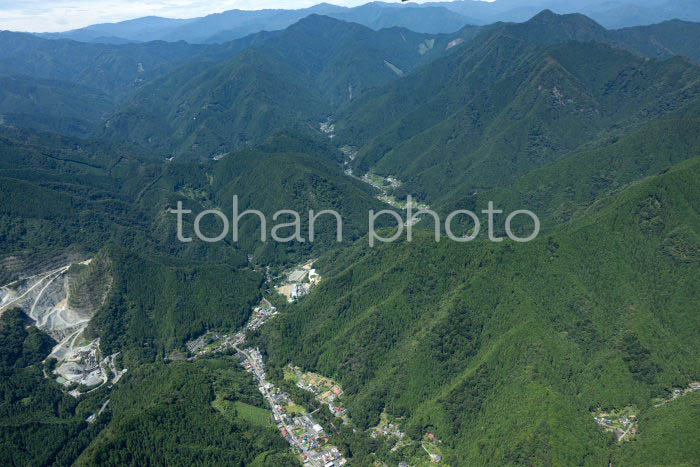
385, 185
326, 390
311, 441
305, 435
298, 427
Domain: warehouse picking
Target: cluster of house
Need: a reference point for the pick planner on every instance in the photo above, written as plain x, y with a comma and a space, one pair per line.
305, 433
260, 314
609, 420
329, 398
380, 182
623, 426
390, 430
326, 391
194, 346
328, 128
350, 153
255, 364
301, 430
213, 342
694, 386
329, 457
299, 282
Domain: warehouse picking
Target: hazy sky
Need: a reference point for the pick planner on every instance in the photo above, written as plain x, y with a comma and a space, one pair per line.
62, 15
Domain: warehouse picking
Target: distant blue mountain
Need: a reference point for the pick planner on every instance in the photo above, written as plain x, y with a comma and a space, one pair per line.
234, 24
431, 18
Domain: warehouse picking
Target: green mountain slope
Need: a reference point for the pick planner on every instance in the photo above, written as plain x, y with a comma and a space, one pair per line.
503, 350
113, 69
501, 106
176, 419
51, 105
669, 437
216, 110
270, 182
660, 41
566, 188
63, 193
151, 317
161, 411
289, 79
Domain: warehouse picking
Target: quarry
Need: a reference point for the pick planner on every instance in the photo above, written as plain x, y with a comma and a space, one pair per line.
60, 301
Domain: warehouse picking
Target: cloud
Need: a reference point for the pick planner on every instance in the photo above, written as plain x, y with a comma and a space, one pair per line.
62, 15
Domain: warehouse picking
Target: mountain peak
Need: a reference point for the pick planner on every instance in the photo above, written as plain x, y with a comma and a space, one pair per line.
549, 27
548, 17
316, 19
322, 26
545, 15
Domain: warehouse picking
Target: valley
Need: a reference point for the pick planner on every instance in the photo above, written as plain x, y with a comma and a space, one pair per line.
162, 304
297, 425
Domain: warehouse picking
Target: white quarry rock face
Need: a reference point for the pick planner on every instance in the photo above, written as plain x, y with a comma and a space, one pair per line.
45, 298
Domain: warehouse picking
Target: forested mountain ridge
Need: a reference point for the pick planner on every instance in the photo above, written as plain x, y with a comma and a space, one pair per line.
113, 69
234, 24
295, 77
51, 105
662, 40
501, 106
329, 62
68, 193
482, 345
431, 17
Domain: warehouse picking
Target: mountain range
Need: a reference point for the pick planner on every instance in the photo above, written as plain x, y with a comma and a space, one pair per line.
431, 17
470, 353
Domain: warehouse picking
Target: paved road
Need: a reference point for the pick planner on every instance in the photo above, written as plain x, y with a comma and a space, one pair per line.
275, 408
